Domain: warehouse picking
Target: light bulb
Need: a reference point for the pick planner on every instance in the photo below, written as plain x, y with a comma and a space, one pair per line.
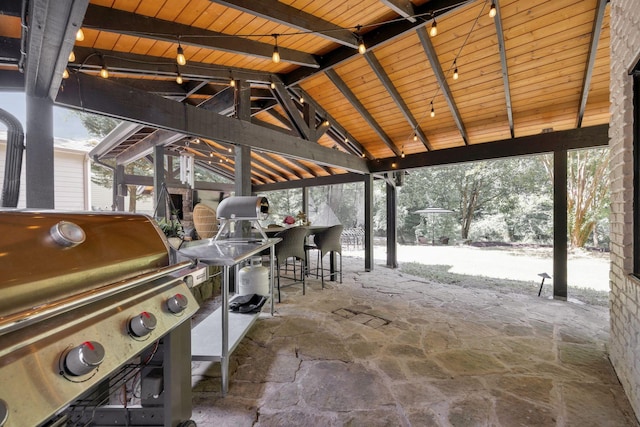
492, 11
433, 112
434, 29
276, 54
65, 74
326, 122
415, 137
402, 154
72, 57
80, 35
301, 100
361, 47
455, 74
180, 55
273, 85
179, 79
104, 72
232, 83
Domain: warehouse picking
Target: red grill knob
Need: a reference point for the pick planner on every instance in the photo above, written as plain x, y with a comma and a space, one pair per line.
142, 324
177, 303
84, 358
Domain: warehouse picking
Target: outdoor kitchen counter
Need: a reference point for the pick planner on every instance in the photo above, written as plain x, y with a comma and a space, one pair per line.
218, 335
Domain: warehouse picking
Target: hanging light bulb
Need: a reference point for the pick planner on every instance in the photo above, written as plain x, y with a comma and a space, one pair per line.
415, 137
433, 112
493, 11
104, 72
402, 153
361, 47
273, 85
179, 79
232, 83
434, 28
325, 122
65, 74
80, 35
301, 100
276, 54
180, 59
72, 57
455, 71
229, 149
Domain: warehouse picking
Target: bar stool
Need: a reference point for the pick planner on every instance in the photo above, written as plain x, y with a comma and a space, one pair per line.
327, 241
291, 246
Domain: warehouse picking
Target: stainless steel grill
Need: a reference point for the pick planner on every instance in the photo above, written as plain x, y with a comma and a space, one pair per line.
87, 302
242, 208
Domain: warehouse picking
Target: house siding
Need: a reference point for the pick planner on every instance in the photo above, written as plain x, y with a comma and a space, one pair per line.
624, 341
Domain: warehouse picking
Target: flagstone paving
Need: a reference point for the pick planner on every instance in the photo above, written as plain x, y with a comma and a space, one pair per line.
387, 349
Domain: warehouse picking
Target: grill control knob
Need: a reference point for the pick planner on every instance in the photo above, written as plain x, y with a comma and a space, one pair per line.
177, 303
142, 324
84, 358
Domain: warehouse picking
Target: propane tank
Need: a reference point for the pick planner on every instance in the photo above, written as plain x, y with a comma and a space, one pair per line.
254, 278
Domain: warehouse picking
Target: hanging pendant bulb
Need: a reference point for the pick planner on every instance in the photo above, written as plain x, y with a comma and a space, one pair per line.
276, 54
402, 153
493, 11
434, 28
104, 72
361, 47
273, 85
72, 57
179, 79
301, 100
433, 112
415, 137
232, 83
65, 74
180, 59
455, 72
80, 35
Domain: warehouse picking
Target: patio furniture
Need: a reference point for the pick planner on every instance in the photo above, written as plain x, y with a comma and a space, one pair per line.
292, 247
327, 241
205, 221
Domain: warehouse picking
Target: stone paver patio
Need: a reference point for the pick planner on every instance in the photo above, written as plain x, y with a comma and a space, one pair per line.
387, 349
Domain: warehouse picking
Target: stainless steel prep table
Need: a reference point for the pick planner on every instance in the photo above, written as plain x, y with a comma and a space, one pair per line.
232, 326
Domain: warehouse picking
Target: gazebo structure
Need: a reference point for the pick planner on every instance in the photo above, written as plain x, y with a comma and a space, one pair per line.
314, 93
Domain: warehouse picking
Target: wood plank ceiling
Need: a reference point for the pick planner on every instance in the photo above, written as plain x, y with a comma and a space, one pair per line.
536, 67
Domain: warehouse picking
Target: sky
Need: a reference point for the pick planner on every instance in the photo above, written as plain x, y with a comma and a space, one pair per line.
65, 123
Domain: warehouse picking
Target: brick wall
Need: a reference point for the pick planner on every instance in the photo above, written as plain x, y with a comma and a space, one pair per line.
624, 342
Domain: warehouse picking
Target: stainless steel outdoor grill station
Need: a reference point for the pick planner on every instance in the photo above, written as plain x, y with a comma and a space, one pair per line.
229, 252
94, 322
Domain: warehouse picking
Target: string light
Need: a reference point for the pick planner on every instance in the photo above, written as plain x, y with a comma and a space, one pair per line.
433, 112
493, 11
455, 71
232, 82
72, 57
301, 100
415, 136
80, 35
402, 153
180, 55
326, 122
434, 28
104, 71
65, 74
276, 54
361, 47
273, 85
179, 79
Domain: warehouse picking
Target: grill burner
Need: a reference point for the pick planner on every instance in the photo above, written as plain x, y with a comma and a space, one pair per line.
83, 295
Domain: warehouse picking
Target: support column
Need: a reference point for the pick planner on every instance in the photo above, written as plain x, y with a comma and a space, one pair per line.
368, 222
243, 153
392, 236
121, 188
40, 189
305, 200
560, 225
159, 181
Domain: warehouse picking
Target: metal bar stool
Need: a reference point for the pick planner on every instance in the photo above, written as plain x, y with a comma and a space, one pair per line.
325, 242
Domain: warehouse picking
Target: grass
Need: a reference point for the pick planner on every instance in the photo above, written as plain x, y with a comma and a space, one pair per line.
441, 274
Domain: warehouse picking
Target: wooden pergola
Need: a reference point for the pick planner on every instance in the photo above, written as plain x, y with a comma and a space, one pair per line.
362, 89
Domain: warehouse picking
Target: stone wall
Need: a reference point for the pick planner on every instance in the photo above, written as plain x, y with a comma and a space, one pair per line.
624, 342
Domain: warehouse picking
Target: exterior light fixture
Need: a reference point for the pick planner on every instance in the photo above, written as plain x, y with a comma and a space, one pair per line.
276, 54
180, 59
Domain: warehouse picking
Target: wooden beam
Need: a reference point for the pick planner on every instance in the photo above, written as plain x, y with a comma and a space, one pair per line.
397, 98
589, 137
121, 22
403, 8
273, 10
344, 178
505, 70
591, 59
442, 81
295, 118
94, 94
145, 146
355, 102
383, 34
50, 38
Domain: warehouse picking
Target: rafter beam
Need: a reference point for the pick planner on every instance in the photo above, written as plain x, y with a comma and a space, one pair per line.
132, 64
260, 157
589, 137
50, 38
403, 8
281, 13
295, 118
442, 81
112, 99
145, 146
593, 51
355, 102
343, 178
505, 69
397, 98
121, 22
383, 34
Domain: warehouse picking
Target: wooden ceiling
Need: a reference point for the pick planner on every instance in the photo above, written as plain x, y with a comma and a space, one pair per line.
536, 69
